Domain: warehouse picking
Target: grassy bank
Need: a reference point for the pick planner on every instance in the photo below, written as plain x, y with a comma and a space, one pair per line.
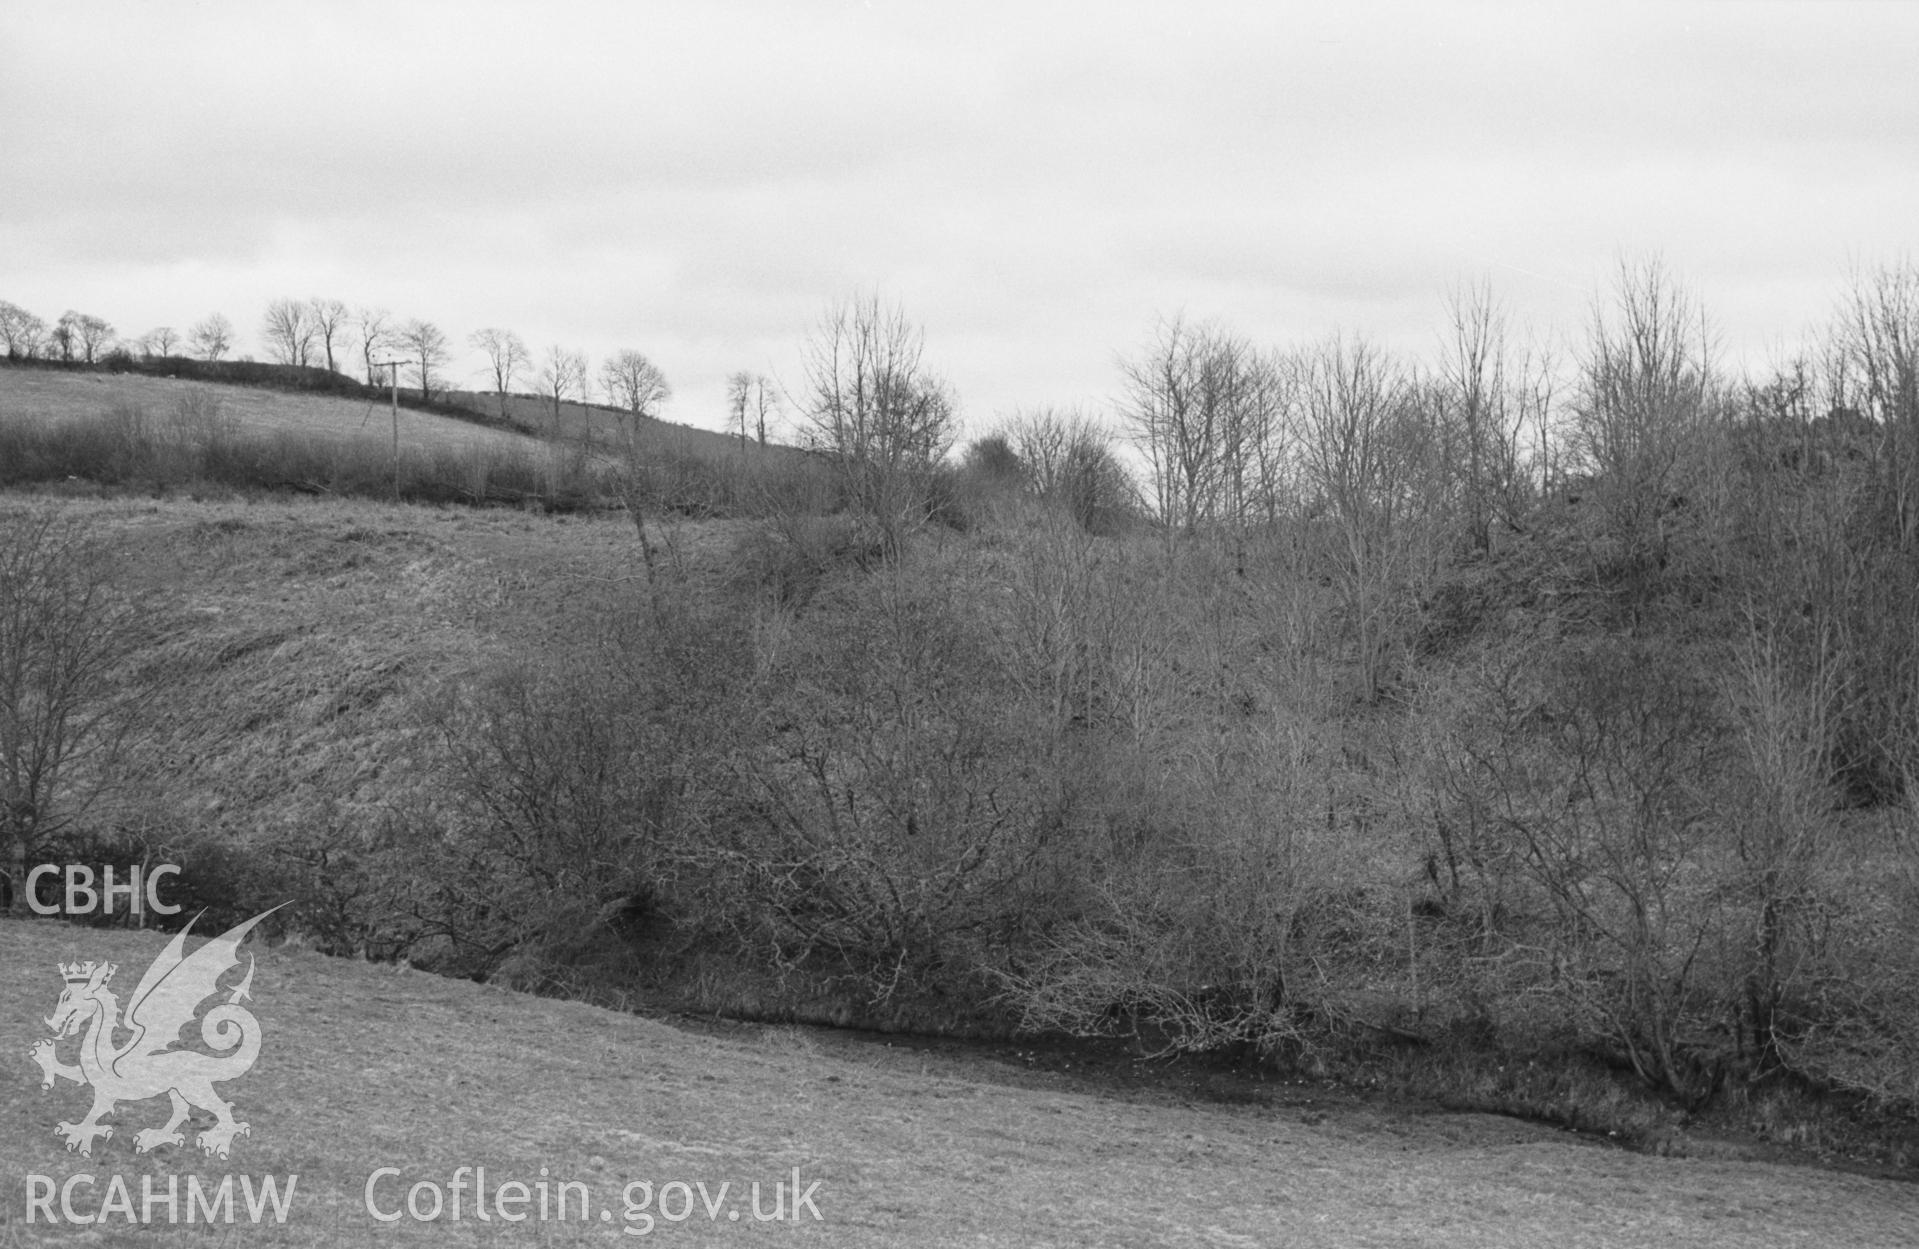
364, 1067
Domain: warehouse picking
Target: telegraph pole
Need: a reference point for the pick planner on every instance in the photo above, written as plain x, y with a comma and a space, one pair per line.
395, 366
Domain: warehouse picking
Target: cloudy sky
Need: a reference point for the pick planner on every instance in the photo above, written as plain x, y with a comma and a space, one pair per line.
1034, 183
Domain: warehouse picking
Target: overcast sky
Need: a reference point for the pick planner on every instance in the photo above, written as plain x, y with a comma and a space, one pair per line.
1034, 183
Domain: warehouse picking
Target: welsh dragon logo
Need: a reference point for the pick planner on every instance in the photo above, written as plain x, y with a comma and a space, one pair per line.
163, 1004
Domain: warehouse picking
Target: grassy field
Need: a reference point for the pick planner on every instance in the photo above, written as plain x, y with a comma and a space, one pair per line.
365, 1067
158, 434
49, 394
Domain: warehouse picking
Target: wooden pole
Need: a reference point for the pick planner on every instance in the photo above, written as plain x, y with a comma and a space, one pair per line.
396, 429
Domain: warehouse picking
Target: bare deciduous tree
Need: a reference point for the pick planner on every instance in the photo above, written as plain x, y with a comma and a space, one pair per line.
64, 636
377, 338
1489, 398
22, 332
1207, 411
750, 399
635, 384
96, 335
875, 409
506, 358
329, 320
1472, 370
211, 337
1361, 452
287, 329
562, 377
161, 341
65, 335
739, 386
1643, 389
1878, 342
1067, 458
426, 351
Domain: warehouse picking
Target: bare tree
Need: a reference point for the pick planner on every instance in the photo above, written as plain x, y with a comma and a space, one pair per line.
739, 386
211, 337
426, 350
1361, 451
161, 341
1472, 370
562, 377
64, 337
1207, 411
1644, 384
377, 338
1161, 417
506, 358
329, 319
1067, 458
1877, 341
64, 637
95, 334
875, 409
1488, 398
288, 330
634, 383
21, 331
750, 399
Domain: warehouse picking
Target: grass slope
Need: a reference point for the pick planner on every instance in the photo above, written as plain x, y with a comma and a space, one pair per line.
58, 394
366, 1067
292, 636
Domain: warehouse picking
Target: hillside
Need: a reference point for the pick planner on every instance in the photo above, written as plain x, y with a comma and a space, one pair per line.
154, 433
291, 641
405, 717
61, 395
365, 1067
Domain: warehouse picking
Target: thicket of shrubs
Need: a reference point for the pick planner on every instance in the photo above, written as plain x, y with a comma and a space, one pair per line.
1439, 712
1616, 763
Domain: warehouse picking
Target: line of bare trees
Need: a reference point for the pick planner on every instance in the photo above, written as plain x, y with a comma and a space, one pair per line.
1381, 467
628, 380
76, 338
303, 332
1235, 436
315, 333
325, 333
319, 332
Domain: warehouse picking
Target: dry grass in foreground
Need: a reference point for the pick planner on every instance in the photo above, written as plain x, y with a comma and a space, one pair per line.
367, 1067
